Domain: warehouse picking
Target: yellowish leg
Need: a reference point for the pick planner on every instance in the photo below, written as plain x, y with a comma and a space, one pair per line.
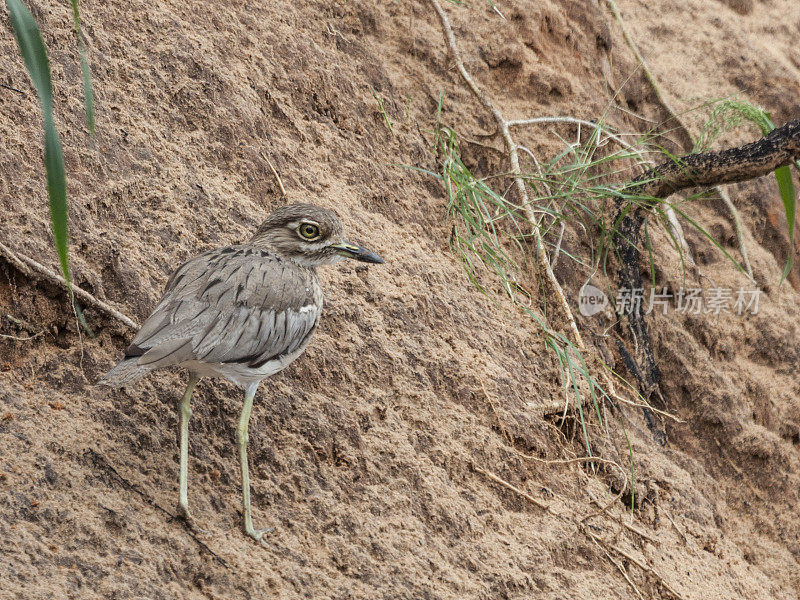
242, 437
185, 410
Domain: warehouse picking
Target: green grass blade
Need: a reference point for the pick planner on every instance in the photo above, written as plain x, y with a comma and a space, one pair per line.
382, 110
786, 187
708, 236
31, 46
34, 54
57, 190
88, 93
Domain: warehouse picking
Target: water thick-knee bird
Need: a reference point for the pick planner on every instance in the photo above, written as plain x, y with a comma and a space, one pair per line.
241, 312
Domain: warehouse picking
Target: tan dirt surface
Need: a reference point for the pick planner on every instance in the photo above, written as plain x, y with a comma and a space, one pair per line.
366, 454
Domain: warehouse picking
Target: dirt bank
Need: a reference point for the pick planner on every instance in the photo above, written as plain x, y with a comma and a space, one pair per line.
364, 452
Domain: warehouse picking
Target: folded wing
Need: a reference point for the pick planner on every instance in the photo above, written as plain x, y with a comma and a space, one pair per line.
231, 305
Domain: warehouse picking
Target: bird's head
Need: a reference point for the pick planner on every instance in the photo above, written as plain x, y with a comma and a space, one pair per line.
309, 235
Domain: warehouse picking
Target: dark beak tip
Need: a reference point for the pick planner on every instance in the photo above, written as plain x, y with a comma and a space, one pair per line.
369, 257
359, 253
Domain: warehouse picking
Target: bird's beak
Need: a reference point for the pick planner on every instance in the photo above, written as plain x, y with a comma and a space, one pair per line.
357, 252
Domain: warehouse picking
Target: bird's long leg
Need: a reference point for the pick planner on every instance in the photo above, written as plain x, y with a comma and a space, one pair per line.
185, 411
242, 437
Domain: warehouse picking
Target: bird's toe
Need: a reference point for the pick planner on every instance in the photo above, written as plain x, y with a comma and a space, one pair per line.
184, 515
258, 535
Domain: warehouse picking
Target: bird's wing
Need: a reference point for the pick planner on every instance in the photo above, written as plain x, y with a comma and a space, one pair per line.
231, 305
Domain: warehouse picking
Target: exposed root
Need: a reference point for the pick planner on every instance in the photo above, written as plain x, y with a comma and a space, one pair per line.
643, 566
516, 173
588, 459
513, 488
780, 147
100, 461
584, 528
512, 150
31, 268
620, 568
678, 530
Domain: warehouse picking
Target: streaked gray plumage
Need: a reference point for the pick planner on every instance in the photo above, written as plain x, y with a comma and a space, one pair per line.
234, 311
242, 312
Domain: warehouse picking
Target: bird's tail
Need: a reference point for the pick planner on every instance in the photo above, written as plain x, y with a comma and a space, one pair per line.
126, 371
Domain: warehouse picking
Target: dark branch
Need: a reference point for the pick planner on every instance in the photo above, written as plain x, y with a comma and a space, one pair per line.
779, 148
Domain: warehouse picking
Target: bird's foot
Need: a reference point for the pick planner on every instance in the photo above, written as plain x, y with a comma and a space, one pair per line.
258, 535
184, 515
183, 512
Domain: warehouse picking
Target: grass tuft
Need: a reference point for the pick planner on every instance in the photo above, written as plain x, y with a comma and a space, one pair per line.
580, 186
489, 235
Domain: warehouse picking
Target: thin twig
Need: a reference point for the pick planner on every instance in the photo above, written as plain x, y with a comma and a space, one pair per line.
602, 509
557, 247
625, 524
516, 173
31, 268
15, 261
680, 533
13, 89
620, 568
639, 532
274, 172
585, 459
20, 339
24, 324
648, 406
643, 566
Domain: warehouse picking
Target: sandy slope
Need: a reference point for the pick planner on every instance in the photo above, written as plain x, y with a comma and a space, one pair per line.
362, 452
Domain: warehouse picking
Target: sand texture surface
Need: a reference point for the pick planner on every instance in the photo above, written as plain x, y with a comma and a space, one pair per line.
369, 454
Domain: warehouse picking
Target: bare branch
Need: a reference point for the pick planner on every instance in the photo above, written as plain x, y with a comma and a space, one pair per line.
780, 147
681, 127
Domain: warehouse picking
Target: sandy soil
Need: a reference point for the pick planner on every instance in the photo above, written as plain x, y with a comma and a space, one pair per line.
366, 453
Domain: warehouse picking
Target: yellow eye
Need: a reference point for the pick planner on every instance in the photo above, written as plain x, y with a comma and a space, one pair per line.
308, 231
